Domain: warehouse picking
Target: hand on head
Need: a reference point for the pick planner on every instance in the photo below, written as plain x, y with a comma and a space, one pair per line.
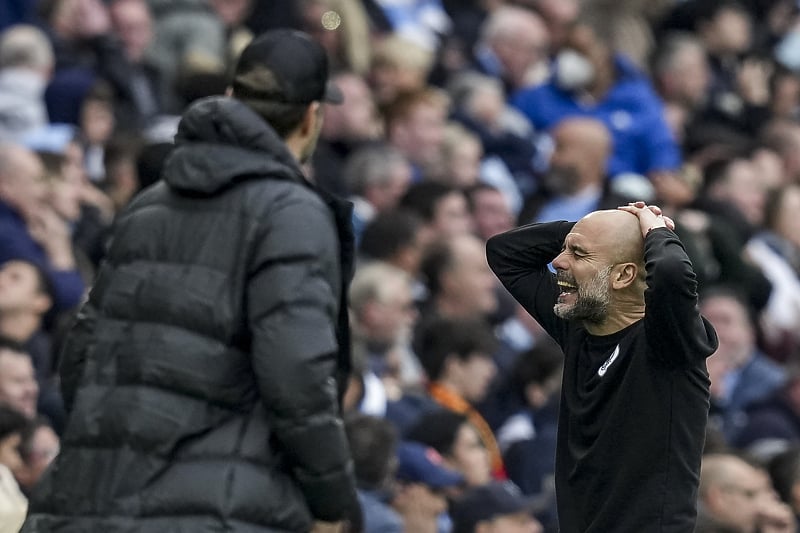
650, 216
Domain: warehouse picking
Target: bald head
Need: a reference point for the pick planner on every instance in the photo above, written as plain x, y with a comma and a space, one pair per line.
582, 149
719, 469
591, 134
618, 231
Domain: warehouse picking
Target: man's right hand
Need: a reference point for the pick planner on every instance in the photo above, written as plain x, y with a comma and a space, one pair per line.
650, 216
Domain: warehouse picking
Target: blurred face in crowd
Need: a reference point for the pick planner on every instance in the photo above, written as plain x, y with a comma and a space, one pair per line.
769, 167
579, 157
787, 223
386, 196
746, 191
9, 452
134, 26
738, 497
583, 40
521, 45
21, 290
18, 387
44, 447
355, 118
391, 316
97, 121
22, 181
463, 162
472, 376
65, 197
486, 103
729, 32
491, 213
452, 217
785, 101
469, 285
691, 76
419, 135
734, 329
470, 457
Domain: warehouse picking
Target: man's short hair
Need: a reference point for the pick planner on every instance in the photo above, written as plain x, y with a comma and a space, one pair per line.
462, 337
423, 198
389, 233
405, 102
438, 429
371, 166
372, 444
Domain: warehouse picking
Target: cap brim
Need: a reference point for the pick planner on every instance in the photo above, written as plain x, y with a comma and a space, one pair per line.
444, 479
333, 95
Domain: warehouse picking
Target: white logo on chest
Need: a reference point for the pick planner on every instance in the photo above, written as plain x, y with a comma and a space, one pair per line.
613, 357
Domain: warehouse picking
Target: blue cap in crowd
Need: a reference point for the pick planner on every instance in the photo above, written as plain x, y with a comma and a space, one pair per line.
418, 463
488, 502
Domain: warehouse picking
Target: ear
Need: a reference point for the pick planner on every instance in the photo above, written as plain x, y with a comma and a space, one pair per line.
624, 275
713, 497
312, 115
795, 501
42, 303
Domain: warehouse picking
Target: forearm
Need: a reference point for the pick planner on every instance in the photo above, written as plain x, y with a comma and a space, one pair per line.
528, 247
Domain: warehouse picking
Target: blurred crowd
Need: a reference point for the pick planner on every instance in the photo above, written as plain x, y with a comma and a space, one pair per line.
462, 119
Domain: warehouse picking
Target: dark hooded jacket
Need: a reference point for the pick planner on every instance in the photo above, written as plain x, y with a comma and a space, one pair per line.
200, 376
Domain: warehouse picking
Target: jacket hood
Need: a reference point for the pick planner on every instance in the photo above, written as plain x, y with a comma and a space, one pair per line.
221, 141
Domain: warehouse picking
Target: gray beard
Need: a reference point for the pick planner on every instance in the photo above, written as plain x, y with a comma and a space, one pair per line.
592, 303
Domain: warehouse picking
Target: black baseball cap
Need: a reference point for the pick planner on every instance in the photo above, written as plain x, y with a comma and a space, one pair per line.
285, 66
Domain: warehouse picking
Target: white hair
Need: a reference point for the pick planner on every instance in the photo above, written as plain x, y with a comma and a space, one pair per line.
24, 45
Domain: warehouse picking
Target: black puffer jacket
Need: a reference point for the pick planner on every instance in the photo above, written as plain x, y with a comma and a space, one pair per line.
200, 377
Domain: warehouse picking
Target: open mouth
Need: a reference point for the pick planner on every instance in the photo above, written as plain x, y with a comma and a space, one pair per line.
566, 286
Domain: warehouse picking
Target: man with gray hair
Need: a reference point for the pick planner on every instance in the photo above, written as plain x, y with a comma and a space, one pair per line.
514, 46
377, 176
26, 65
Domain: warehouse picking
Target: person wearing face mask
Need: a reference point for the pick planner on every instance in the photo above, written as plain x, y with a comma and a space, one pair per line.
590, 80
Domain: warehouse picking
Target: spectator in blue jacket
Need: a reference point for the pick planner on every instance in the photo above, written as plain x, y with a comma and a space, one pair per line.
30, 230
590, 80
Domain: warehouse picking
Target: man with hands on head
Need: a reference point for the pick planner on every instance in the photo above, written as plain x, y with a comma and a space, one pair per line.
622, 304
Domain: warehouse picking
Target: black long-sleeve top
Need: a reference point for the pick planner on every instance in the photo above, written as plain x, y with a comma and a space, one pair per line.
634, 404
